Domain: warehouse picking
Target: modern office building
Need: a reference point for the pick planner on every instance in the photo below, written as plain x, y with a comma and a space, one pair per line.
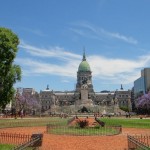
142, 84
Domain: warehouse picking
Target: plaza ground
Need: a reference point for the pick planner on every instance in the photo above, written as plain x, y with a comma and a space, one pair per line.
62, 142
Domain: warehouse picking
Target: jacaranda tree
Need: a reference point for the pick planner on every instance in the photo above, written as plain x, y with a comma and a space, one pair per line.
143, 104
26, 102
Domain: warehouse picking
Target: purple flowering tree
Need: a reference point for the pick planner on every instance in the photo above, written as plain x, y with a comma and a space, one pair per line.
143, 103
26, 103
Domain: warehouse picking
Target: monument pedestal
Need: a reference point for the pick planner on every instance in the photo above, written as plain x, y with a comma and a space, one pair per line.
84, 101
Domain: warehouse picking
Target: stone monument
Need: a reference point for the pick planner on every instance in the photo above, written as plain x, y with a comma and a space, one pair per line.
84, 100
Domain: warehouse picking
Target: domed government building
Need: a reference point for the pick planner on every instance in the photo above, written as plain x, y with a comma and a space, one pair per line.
84, 98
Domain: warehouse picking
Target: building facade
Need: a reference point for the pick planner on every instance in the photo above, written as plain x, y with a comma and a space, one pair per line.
84, 96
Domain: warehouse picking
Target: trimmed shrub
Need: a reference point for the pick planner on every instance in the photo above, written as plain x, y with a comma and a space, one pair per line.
82, 123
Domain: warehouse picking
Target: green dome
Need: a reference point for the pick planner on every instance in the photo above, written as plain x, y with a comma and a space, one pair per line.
84, 66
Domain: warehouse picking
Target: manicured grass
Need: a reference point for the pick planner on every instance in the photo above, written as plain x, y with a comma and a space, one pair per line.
125, 122
6, 123
129, 123
82, 131
6, 146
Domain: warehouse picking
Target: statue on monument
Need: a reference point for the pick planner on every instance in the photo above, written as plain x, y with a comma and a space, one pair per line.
84, 83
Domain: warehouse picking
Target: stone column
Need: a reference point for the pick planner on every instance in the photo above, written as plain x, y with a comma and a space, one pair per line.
84, 94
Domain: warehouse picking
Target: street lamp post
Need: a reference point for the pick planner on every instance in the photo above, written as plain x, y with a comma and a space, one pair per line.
40, 105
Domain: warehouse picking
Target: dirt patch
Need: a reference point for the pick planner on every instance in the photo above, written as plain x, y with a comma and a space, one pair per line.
24, 130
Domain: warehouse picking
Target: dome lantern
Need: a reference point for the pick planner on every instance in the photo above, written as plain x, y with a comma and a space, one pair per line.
84, 66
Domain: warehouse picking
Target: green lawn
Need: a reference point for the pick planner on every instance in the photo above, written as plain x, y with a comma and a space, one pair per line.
130, 123
6, 146
9, 147
5, 123
82, 131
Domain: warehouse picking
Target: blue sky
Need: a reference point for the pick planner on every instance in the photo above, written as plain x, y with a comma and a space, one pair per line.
115, 34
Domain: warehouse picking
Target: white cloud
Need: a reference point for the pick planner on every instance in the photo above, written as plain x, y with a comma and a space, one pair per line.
106, 69
91, 31
34, 31
103, 65
117, 70
56, 52
34, 67
78, 31
121, 37
65, 81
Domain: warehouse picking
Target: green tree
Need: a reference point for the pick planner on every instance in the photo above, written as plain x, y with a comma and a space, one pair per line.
124, 108
9, 72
